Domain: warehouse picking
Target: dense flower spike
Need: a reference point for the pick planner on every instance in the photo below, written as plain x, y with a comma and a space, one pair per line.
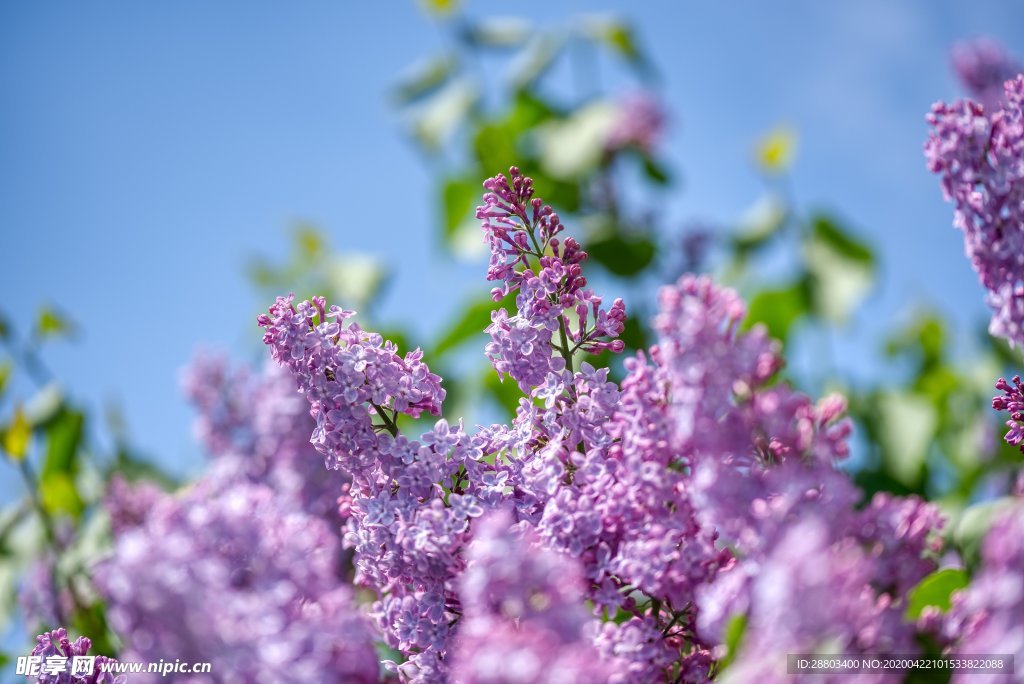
979, 156
983, 65
555, 311
234, 574
655, 501
986, 617
1012, 401
524, 620
56, 644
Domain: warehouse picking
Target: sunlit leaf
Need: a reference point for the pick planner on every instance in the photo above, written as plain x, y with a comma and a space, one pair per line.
442, 114
58, 494
734, 631
574, 146
974, 523
534, 60
51, 323
907, 424
63, 435
775, 151
17, 435
935, 590
779, 309
617, 36
5, 374
760, 223
356, 278
842, 269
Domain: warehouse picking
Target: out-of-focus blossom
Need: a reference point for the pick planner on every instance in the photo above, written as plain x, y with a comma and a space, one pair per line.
988, 615
639, 123
983, 65
979, 155
234, 574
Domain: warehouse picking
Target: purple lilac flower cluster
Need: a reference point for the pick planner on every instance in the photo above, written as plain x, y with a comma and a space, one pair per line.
233, 573
983, 65
639, 123
978, 154
986, 617
1012, 401
656, 500
524, 620
262, 425
57, 644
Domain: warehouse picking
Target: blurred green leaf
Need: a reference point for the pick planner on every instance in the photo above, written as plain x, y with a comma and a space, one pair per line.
734, 631
498, 32
759, 224
622, 254
459, 196
17, 435
842, 269
471, 323
441, 115
5, 374
617, 36
50, 323
574, 147
534, 60
424, 79
655, 171
63, 434
973, 524
935, 590
58, 494
907, 424
779, 309
506, 394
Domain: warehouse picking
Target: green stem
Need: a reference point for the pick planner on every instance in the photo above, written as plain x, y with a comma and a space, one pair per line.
388, 422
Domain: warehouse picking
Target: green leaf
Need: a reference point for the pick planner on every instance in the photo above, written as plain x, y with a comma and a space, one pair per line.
424, 79
734, 631
17, 435
475, 317
759, 224
50, 323
842, 269
5, 374
498, 32
58, 494
935, 590
974, 523
63, 433
535, 60
618, 37
779, 309
572, 148
459, 197
623, 255
907, 423
440, 116
655, 171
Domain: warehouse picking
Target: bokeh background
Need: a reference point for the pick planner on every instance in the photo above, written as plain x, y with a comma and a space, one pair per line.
151, 151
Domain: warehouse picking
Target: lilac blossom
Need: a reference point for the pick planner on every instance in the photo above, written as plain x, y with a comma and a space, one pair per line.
1012, 401
639, 123
986, 617
983, 65
235, 574
524, 620
56, 644
978, 154
261, 422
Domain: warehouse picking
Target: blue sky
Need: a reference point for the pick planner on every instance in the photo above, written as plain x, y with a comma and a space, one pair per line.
150, 149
